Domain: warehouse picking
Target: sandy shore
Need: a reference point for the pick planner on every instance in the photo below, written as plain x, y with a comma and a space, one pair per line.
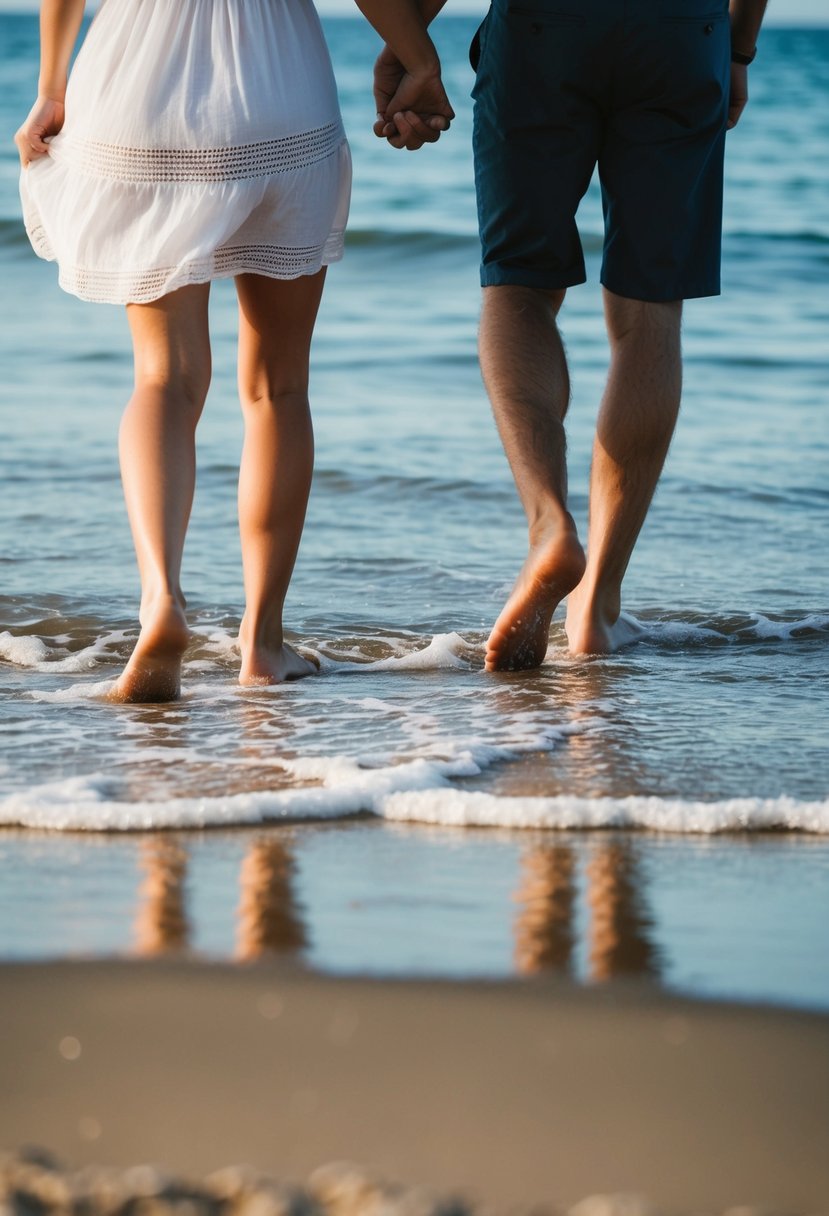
510, 1092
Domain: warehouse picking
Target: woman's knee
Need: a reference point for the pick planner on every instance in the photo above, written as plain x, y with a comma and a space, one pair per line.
181, 383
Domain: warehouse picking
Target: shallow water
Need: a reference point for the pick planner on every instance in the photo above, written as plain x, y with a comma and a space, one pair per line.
715, 722
719, 917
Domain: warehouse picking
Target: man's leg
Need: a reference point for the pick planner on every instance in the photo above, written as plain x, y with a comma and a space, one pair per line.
525, 372
636, 422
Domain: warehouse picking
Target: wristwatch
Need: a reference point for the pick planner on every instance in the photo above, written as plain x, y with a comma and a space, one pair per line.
745, 60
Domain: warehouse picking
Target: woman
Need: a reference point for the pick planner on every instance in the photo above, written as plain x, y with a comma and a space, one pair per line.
202, 139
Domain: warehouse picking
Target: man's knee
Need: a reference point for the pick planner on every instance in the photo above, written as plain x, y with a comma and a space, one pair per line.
626, 317
518, 298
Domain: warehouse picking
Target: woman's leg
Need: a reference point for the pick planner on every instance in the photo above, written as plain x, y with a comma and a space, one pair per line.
276, 321
158, 468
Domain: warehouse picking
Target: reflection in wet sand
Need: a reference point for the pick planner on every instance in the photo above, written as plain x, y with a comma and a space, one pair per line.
161, 925
544, 927
270, 919
621, 924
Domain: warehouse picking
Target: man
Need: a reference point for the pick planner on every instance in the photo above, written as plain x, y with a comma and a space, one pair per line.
645, 89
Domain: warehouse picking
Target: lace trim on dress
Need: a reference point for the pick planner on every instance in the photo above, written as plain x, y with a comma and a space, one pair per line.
143, 286
237, 163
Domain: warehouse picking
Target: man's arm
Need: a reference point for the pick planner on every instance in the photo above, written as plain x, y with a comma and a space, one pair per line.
60, 21
746, 19
402, 27
417, 103
400, 125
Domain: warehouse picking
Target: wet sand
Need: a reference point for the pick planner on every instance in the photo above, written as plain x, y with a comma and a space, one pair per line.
506, 1092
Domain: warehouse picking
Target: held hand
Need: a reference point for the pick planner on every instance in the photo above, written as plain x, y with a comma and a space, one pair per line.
411, 110
738, 97
45, 119
411, 131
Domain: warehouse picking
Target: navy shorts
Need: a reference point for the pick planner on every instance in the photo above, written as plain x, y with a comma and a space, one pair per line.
637, 87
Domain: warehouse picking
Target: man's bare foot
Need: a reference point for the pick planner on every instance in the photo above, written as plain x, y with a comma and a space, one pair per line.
554, 565
274, 665
153, 672
595, 630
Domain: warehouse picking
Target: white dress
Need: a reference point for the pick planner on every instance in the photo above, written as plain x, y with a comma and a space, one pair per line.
203, 139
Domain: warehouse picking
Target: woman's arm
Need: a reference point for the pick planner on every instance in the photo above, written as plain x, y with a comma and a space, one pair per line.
60, 21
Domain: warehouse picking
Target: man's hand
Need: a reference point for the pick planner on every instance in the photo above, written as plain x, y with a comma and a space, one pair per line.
45, 119
738, 96
411, 110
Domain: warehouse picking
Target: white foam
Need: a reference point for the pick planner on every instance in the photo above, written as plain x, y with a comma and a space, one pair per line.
416, 792
30, 651
446, 650
86, 804
677, 633
22, 651
461, 808
783, 631
89, 691
753, 627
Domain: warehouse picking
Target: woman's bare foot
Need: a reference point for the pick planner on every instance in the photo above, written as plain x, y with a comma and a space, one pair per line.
153, 672
595, 629
272, 662
554, 565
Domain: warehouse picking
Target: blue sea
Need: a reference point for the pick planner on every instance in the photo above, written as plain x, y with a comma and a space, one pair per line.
663, 812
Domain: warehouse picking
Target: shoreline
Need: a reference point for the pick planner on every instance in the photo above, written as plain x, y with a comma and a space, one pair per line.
511, 1092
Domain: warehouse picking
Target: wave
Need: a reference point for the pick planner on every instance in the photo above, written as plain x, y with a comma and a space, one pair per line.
438, 240
410, 240
416, 486
13, 234
56, 657
418, 241
84, 644
800, 236
799, 496
739, 629
415, 792
460, 808
220, 650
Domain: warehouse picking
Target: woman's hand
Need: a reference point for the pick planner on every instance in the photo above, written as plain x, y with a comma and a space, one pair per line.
411, 110
45, 119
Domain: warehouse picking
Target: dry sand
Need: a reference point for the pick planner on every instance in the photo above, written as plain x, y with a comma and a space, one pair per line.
509, 1092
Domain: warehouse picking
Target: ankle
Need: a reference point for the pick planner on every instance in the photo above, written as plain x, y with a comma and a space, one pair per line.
261, 633
163, 601
597, 602
551, 522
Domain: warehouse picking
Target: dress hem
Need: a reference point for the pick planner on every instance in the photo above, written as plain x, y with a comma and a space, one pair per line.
143, 287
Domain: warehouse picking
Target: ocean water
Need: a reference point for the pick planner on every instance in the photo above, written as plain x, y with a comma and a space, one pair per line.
697, 759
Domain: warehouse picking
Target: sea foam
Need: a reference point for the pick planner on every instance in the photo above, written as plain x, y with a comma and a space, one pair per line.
461, 808
419, 791
30, 651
